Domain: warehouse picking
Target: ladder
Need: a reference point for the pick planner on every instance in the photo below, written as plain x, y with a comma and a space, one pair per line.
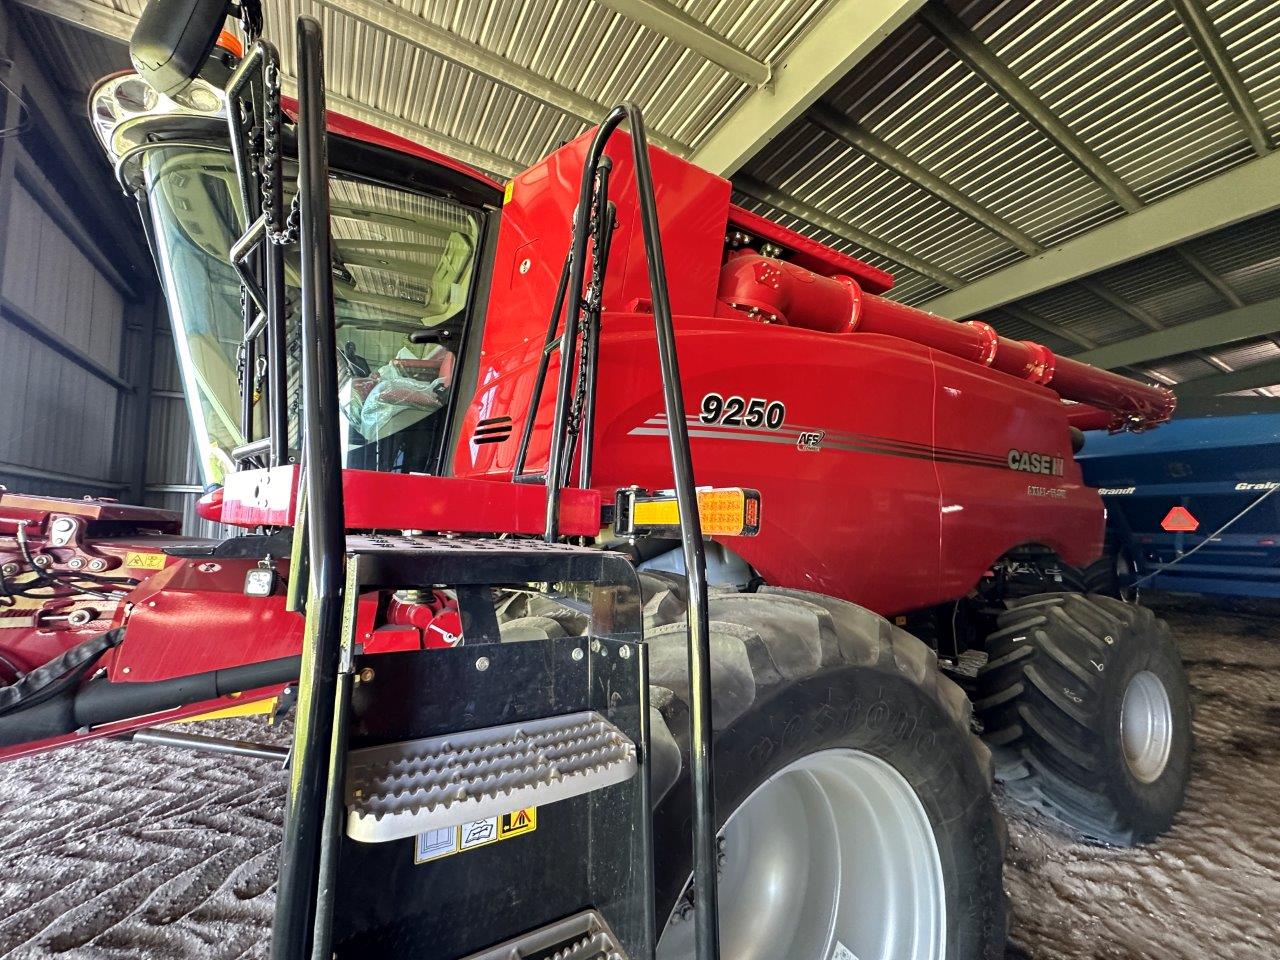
415, 824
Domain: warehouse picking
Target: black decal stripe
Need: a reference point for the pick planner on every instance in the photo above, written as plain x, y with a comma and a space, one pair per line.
877, 446
859, 440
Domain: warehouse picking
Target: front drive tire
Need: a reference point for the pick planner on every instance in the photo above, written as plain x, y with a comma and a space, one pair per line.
857, 800
1085, 704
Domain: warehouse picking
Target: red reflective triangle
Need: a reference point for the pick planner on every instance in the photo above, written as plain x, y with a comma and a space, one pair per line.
1179, 520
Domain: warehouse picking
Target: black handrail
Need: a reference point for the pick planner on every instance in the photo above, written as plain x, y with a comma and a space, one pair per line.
539, 380
704, 818
296, 898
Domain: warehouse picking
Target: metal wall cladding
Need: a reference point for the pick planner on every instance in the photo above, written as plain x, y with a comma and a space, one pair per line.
60, 417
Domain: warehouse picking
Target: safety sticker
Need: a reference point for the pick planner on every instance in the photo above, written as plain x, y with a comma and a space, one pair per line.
514, 824
841, 952
507, 191
436, 844
144, 561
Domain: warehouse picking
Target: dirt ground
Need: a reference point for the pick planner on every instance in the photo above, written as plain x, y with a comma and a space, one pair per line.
115, 850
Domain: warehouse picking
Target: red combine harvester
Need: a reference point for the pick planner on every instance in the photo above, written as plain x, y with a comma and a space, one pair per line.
502, 611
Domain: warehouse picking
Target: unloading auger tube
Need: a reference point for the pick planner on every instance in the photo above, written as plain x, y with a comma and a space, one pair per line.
789, 294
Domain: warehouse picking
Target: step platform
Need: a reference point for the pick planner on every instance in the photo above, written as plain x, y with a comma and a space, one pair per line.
498, 791
419, 786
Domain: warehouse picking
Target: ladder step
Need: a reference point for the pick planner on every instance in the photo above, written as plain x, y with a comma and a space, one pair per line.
403, 789
584, 937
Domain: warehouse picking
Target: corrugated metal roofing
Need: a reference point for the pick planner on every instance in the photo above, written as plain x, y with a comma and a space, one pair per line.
1123, 76
1128, 80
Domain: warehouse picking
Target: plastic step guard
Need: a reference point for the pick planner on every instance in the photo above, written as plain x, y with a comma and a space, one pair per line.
493, 790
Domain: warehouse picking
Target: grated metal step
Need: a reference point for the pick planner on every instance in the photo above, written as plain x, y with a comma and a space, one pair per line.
404, 789
584, 937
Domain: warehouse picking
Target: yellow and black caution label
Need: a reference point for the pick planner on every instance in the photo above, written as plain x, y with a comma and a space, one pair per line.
514, 824
445, 842
144, 561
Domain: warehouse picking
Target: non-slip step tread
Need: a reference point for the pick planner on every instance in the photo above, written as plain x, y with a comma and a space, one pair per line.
404, 789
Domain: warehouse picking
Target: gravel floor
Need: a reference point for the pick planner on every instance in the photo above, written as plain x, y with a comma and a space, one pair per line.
114, 851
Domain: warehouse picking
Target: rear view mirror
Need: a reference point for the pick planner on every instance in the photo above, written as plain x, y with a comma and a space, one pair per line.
174, 38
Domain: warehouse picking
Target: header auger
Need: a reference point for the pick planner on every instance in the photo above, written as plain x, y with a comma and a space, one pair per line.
599, 668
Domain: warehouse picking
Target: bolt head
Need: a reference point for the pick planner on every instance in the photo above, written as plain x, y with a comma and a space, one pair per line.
624, 653
577, 653
98, 564
482, 664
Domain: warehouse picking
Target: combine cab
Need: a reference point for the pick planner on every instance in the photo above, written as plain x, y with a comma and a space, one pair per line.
456, 431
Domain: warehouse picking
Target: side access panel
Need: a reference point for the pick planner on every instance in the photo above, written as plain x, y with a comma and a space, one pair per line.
1014, 479
468, 888
839, 443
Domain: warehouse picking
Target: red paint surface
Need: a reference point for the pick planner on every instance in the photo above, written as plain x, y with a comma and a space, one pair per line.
194, 617
909, 497
404, 501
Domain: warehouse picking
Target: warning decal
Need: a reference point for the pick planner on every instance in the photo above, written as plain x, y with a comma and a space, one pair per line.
514, 824
435, 844
144, 561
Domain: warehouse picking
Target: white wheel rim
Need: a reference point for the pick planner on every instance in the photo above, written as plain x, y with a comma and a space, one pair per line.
1146, 726
833, 851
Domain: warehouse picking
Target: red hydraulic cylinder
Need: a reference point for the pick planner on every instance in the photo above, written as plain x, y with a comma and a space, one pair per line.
780, 292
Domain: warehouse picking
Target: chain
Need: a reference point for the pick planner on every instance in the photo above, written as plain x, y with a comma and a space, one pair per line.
243, 353
590, 307
271, 160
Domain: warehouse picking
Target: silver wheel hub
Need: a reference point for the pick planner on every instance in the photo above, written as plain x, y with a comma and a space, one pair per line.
832, 857
1146, 726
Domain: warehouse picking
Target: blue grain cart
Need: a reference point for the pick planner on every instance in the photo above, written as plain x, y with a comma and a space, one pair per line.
1215, 467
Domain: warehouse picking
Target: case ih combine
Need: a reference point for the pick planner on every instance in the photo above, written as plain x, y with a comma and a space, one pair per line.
542, 707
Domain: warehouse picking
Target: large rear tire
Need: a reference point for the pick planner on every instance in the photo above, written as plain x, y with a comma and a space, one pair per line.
1085, 704
854, 799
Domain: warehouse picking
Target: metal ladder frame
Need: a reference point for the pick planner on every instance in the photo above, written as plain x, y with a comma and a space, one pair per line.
315, 788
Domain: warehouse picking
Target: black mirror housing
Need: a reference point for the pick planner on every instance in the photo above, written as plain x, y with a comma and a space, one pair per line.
174, 38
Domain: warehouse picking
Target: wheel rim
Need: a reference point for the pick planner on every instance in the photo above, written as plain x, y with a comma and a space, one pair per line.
1126, 577
1146, 726
833, 850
